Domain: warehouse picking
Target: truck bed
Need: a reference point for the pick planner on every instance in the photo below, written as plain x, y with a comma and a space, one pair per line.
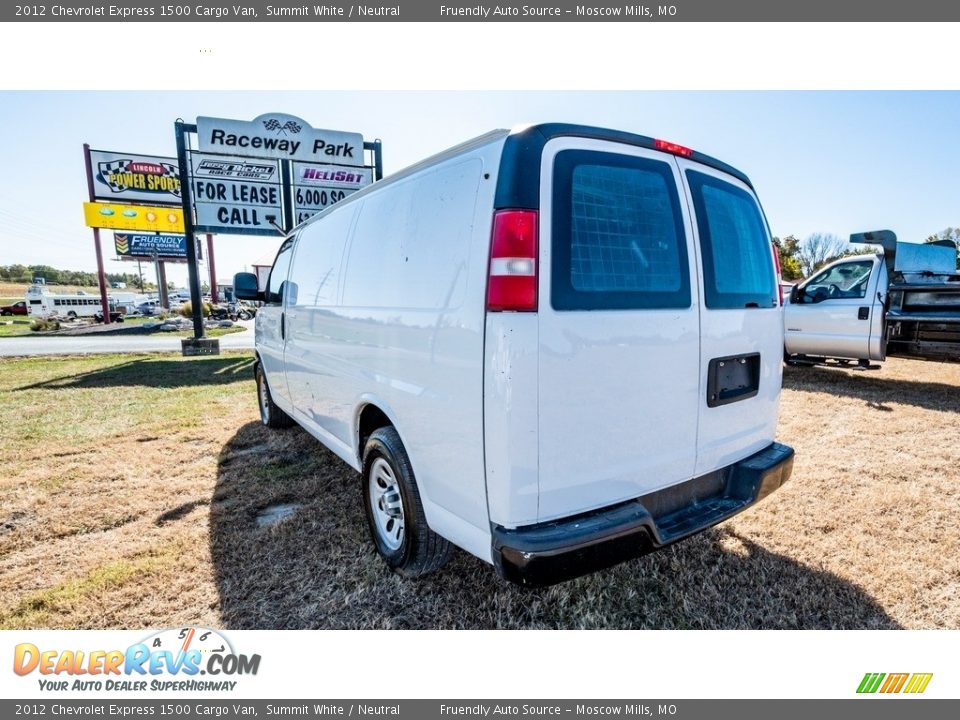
923, 317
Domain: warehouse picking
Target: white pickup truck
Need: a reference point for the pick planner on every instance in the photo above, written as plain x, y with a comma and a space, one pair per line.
901, 302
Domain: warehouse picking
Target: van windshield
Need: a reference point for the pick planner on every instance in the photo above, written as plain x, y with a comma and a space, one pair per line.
737, 260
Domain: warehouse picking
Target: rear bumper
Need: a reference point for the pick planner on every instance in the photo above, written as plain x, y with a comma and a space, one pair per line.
548, 553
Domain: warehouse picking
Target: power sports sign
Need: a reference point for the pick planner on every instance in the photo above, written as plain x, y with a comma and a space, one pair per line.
126, 177
280, 137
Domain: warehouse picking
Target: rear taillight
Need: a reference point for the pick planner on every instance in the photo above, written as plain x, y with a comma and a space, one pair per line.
776, 265
670, 147
512, 282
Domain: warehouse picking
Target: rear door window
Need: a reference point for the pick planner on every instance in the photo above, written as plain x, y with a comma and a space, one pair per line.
618, 239
735, 245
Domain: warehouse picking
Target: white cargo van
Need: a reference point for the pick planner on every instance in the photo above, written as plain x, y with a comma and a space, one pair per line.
557, 348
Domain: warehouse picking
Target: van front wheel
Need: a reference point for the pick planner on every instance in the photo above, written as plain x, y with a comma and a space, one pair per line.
270, 415
394, 510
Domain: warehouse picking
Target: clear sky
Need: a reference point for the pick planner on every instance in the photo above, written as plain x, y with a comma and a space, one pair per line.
832, 162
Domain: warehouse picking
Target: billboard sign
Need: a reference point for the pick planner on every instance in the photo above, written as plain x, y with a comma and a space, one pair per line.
149, 218
139, 245
281, 137
317, 187
235, 195
127, 177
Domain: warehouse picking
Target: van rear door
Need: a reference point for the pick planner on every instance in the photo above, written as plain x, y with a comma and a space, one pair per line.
741, 333
619, 329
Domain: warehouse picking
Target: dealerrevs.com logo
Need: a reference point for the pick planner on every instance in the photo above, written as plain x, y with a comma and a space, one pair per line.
181, 659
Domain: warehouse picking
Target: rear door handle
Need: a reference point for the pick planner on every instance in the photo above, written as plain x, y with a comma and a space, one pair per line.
863, 313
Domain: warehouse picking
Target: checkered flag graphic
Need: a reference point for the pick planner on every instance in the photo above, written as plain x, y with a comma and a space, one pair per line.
272, 125
292, 127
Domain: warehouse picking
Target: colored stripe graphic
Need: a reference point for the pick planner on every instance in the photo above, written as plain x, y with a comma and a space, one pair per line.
894, 683
870, 682
918, 683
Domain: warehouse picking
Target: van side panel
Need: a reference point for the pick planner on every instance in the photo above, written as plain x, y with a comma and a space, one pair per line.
510, 406
312, 354
406, 334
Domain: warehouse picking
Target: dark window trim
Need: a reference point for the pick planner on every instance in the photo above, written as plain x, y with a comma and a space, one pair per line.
268, 296
713, 299
518, 180
563, 296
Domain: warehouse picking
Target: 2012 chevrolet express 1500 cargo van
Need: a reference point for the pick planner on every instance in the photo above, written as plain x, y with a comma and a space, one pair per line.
556, 348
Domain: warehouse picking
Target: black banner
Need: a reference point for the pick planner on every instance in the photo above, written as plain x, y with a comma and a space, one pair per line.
440, 11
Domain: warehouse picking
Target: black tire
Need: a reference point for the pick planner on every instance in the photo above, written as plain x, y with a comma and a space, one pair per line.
243, 315
421, 551
72, 315
270, 415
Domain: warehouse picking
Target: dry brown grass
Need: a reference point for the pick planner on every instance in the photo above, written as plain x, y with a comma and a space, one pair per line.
137, 513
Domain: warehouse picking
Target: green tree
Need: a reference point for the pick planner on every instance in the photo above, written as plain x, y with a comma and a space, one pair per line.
787, 249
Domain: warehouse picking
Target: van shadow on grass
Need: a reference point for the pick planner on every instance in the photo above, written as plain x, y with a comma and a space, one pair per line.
872, 388
317, 568
156, 373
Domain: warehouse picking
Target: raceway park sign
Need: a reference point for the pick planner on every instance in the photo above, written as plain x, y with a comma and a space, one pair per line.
146, 246
124, 177
281, 137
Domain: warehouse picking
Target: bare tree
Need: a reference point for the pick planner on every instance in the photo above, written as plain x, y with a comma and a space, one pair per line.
817, 250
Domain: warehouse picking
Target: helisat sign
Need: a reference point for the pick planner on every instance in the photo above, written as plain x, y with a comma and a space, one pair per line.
279, 136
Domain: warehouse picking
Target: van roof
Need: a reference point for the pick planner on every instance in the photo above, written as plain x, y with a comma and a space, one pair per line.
518, 187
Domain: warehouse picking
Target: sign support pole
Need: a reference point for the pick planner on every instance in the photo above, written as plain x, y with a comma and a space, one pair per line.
104, 301
212, 267
199, 344
377, 148
164, 293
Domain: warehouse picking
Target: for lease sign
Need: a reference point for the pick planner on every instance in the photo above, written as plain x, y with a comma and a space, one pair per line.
234, 194
279, 136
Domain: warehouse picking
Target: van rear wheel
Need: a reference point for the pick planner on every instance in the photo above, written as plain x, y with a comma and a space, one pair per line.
270, 414
394, 511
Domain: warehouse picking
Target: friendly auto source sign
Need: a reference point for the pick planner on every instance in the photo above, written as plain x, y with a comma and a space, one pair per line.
316, 187
135, 245
125, 177
235, 194
150, 218
279, 136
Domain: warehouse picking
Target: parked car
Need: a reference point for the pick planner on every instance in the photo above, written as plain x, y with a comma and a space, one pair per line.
149, 307
556, 348
17, 308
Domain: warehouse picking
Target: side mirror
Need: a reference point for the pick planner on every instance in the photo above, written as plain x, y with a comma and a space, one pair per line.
795, 293
245, 287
